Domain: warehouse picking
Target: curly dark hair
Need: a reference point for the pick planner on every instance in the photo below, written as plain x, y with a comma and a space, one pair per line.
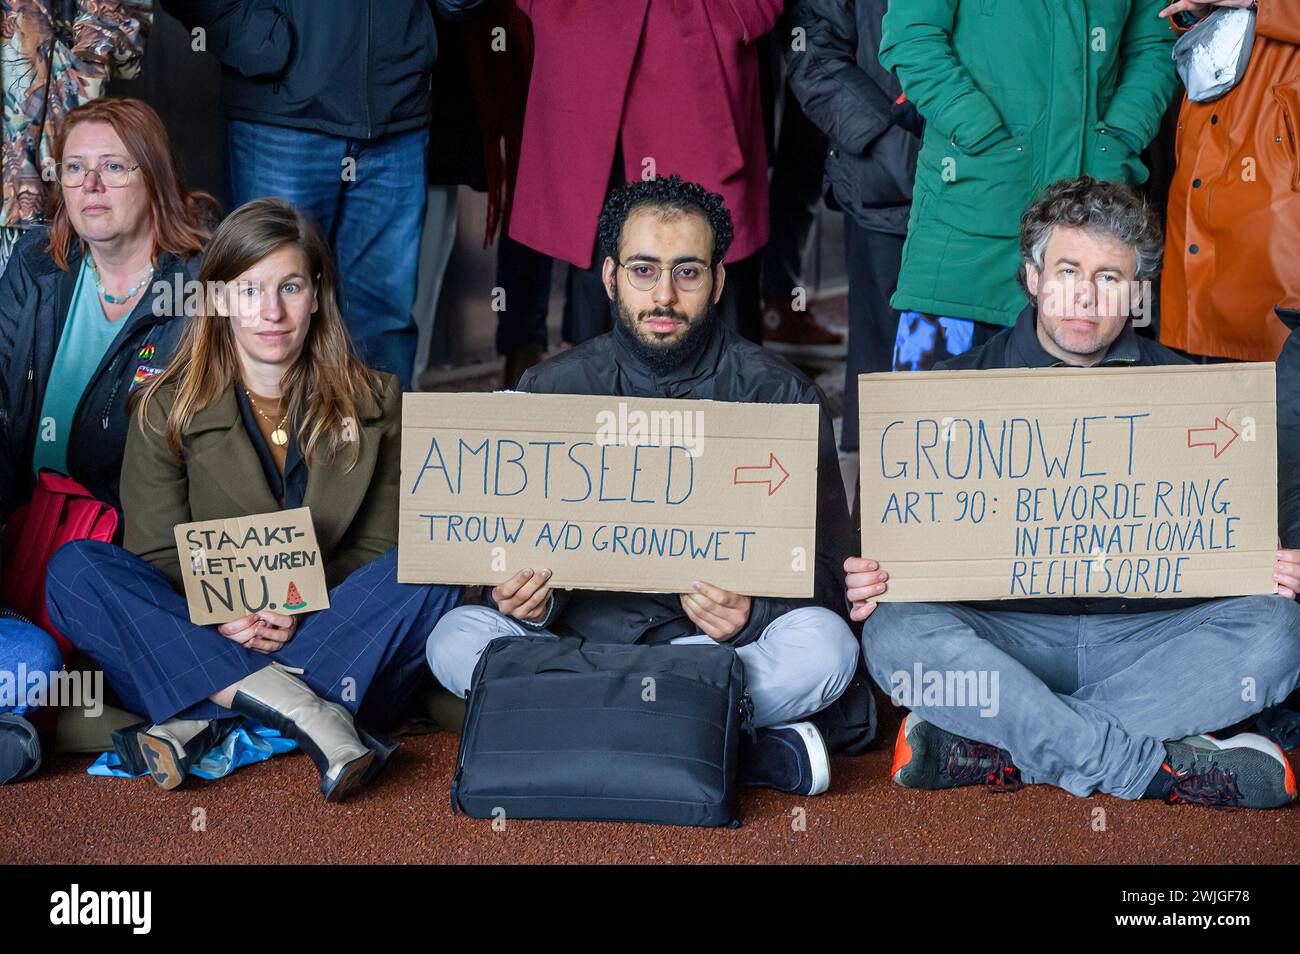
1086, 203
673, 194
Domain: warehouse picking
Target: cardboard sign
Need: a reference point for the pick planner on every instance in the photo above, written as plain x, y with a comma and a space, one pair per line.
609, 493
1109, 482
235, 567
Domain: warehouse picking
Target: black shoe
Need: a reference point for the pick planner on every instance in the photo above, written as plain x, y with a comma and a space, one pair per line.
788, 758
20, 748
926, 756
1245, 771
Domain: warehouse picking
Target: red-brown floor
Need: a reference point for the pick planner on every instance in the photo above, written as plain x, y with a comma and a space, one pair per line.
272, 813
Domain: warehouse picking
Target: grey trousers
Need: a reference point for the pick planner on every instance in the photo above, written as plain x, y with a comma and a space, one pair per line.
800, 664
1086, 702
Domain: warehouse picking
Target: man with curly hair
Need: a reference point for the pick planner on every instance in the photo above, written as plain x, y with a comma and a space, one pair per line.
1102, 694
664, 241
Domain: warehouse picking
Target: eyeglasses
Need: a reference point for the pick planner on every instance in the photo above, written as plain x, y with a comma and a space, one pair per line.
643, 275
114, 173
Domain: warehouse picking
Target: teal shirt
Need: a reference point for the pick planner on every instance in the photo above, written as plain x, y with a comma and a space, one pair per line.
87, 336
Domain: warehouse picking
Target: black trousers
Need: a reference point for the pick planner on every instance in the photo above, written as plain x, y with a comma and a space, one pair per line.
795, 190
872, 259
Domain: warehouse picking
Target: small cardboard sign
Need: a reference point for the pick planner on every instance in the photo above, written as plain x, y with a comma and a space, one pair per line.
267, 561
609, 493
1071, 482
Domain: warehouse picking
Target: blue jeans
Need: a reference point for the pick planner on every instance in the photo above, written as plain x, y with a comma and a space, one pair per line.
371, 212
24, 647
1086, 702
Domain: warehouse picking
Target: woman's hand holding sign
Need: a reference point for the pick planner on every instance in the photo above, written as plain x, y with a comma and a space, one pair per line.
718, 613
864, 580
524, 596
265, 632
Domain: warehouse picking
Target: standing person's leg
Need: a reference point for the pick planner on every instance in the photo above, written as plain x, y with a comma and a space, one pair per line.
524, 277
1029, 664
800, 664
741, 306
586, 304
298, 165
377, 245
796, 188
436, 243
793, 195
873, 259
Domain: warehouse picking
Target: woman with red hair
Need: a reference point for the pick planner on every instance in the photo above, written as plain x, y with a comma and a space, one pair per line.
88, 311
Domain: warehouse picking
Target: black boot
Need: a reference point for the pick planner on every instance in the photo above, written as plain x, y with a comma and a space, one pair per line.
170, 748
275, 697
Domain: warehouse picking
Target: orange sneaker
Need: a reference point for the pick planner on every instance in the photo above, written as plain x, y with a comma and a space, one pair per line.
926, 756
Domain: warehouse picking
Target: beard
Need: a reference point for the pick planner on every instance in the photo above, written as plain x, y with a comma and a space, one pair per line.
662, 357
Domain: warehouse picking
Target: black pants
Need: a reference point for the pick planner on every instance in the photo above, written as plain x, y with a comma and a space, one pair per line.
796, 189
524, 276
873, 259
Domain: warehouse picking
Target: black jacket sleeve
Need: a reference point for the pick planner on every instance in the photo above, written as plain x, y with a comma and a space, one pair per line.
835, 92
252, 37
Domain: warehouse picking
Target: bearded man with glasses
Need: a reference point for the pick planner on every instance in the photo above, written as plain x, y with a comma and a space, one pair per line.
664, 242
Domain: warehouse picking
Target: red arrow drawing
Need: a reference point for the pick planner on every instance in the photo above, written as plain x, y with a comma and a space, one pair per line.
1218, 423
767, 470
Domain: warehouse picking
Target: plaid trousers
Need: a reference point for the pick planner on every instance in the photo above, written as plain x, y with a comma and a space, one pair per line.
365, 652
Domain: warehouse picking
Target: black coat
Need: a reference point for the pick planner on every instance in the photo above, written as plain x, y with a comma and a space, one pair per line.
356, 68
728, 369
1288, 432
844, 90
35, 296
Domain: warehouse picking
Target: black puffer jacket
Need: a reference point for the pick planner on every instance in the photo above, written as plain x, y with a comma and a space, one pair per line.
844, 90
34, 299
728, 369
357, 68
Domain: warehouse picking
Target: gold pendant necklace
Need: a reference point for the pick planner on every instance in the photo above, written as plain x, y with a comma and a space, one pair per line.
279, 436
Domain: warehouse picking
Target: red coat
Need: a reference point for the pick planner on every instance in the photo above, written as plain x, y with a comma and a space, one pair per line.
673, 80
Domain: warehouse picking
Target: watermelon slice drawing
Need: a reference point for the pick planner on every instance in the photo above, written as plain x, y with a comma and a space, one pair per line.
293, 599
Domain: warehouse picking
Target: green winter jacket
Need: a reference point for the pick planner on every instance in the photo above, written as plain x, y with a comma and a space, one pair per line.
1016, 94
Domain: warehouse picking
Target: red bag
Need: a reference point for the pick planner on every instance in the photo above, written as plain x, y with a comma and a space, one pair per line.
60, 510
